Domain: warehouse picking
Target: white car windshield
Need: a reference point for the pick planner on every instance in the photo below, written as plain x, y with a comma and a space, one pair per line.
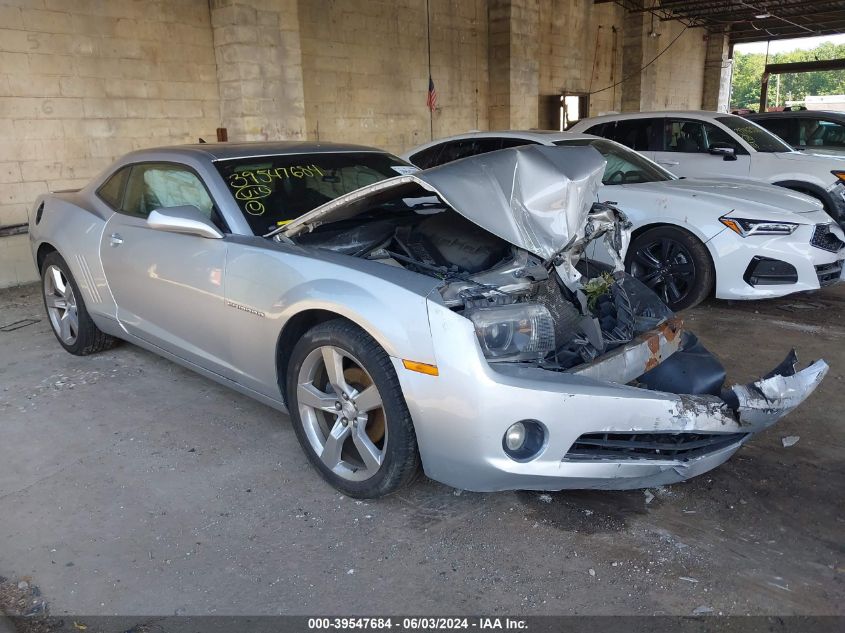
757, 137
624, 166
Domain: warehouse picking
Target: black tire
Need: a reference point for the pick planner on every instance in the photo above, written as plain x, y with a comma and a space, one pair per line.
674, 263
89, 338
400, 457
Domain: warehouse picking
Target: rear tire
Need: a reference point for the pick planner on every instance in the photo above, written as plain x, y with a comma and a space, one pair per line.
348, 411
69, 318
674, 263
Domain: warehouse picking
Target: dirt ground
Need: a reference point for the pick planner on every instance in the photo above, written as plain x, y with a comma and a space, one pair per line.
129, 485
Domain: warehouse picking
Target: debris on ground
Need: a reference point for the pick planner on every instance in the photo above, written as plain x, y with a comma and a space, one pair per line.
688, 579
545, 498
649, 497
790, 440
22, 600
592, 572
702, 610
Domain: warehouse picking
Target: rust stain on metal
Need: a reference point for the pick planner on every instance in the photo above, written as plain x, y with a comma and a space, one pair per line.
653, 342
671, 328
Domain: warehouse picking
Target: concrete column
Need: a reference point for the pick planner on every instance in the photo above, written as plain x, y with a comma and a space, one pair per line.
632, 61
514, 63
499, 63
717, 73
259, 68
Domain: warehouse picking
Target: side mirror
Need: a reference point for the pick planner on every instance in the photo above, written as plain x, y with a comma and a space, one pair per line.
727, 152
185, 219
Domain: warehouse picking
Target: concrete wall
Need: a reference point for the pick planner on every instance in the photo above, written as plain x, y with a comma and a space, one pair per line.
365, 69
84, 81
581, 51
675, 81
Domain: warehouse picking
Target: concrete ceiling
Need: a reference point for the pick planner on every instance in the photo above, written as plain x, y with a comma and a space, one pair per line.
749, 20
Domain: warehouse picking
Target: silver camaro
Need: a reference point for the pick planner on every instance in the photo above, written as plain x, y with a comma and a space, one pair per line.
445, 317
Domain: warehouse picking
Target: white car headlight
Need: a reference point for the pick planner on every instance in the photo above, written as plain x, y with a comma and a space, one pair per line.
745, 228
521, 331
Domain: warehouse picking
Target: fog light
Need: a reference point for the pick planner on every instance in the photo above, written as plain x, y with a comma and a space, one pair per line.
515, 436
524, 440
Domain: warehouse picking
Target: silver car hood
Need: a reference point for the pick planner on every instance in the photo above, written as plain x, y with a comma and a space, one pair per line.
535, 197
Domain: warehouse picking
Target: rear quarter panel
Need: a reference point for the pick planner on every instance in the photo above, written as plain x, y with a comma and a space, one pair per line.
72, 224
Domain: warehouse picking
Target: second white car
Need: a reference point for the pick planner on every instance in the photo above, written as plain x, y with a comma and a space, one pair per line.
692, 238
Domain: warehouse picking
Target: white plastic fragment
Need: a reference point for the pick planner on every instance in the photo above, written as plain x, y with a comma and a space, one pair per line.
544, 498
592, 572
688, 579
649, 497
702, 610
790, 440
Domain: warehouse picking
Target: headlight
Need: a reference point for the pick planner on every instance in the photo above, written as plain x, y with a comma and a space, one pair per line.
522, 331
745, 227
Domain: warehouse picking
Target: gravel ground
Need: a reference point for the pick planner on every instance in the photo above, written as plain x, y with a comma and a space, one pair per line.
132, 486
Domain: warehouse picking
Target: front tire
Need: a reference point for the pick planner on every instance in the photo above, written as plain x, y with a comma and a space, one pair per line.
348, 411
69, 318
674, 263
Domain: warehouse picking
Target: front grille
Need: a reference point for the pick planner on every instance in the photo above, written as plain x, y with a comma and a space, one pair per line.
634, 446
825, 240
829, 273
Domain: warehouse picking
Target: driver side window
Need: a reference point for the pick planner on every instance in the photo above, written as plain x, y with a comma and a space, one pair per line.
156, 185
695, 137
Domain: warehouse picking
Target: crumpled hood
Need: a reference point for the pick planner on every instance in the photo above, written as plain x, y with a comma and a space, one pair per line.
536, 197
748, 199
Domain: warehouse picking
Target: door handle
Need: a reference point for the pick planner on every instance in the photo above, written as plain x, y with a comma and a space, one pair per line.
668, 162
115, 239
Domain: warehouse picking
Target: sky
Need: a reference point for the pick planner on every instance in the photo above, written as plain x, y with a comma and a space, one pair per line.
782, 46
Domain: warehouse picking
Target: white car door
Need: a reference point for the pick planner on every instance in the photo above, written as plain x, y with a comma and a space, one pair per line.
687, 147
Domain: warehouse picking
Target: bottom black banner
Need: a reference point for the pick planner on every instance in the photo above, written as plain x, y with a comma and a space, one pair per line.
408, 624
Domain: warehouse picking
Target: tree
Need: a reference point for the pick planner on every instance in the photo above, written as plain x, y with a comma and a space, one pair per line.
748, 71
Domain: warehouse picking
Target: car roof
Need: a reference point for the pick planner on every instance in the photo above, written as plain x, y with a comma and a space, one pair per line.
544, 137
831, 114
619, 116
223, 151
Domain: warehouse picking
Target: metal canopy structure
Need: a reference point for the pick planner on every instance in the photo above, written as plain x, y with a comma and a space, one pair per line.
749, 20
794, 67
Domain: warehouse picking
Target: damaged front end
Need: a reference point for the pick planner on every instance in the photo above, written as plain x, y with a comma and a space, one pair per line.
506, 235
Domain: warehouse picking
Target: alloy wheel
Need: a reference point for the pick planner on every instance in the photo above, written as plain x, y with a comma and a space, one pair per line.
61, 305
665, 266
342, 413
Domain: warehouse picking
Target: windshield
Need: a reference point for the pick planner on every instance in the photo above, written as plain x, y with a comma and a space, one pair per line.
624, 166
272, 191
758, 138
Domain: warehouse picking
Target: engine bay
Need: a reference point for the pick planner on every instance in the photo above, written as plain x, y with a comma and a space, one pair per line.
557, 314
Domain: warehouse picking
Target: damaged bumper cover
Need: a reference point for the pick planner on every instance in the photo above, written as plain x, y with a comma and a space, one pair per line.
461, 417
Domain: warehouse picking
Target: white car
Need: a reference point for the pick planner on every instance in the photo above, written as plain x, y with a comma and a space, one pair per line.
700, 144
692, 238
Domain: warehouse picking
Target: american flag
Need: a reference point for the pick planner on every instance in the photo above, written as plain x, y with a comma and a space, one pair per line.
431, 100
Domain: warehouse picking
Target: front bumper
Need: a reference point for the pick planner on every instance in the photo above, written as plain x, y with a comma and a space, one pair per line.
461, 416
733, 256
